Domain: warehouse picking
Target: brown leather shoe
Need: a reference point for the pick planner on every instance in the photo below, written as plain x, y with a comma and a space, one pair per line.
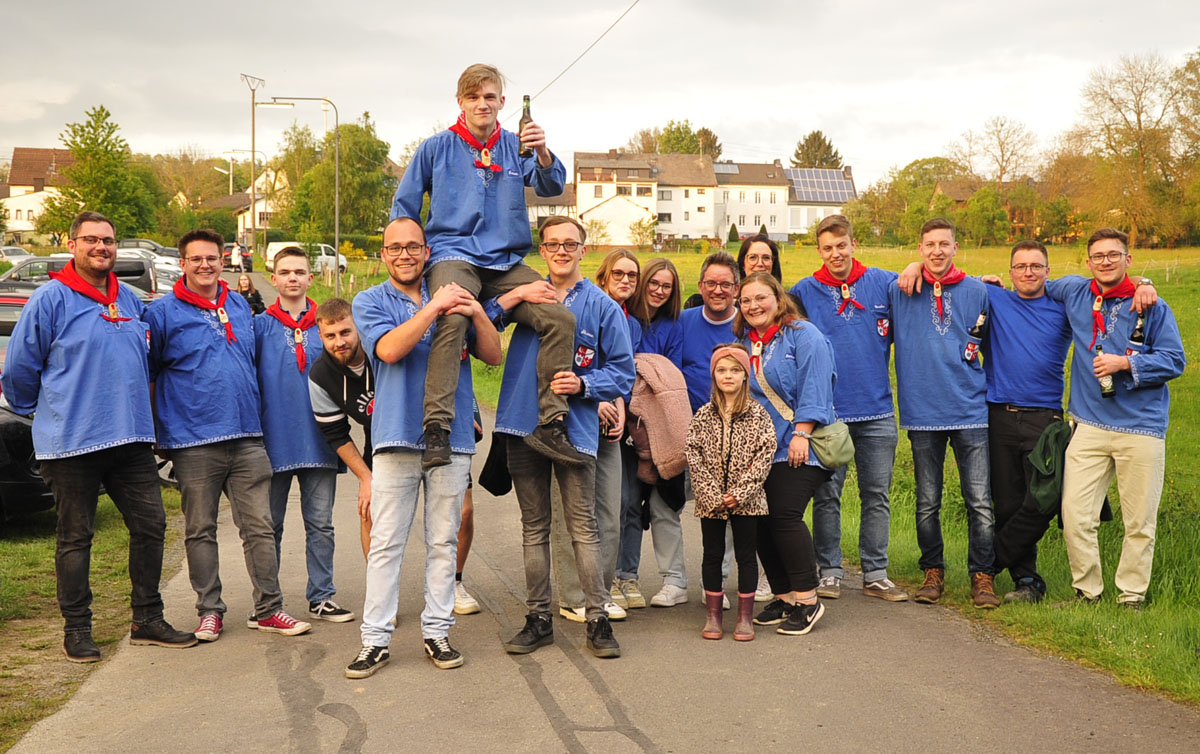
933, 587
983, 593
712, 627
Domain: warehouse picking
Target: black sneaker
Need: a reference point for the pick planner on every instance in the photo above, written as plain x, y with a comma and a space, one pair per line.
774, 613
443, 655
437, 447
368, 661
538, 632
159, 633
330, 611
80, 648
600, 639
801, 619
551, 441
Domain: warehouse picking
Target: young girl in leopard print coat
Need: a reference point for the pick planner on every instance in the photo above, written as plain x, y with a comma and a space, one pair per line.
730, 445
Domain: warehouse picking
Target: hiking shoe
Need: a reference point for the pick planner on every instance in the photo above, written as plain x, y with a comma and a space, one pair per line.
830, 587
669, 596
932, 588
884, 589
983, 593
538, 632
573, 614
437, 447
633, 594
763, 593
464, 603
801, 620
80, 648
618, 597
614, 611
443, 655
210, 627
1026, 591
368, 661
551, 440
330, 611
159, 633
282, 623
600, 639
774, 613
1079, 599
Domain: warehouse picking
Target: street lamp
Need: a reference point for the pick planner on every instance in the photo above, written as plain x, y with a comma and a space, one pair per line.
229, 156
254, 83
337, 173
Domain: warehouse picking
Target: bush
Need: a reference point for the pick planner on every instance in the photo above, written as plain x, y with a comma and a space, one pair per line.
733, 233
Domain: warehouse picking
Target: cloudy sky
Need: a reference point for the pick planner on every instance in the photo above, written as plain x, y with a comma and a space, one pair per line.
886, 82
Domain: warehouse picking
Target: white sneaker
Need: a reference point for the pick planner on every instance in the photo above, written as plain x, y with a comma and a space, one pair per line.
576, 614
617, 595
464, 603
669, 596
763, 593
614, 611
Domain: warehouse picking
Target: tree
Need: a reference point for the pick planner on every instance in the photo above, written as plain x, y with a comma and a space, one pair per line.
709, 143
678, 138
733, 233
984, 218
642, 232
816, 151
597, 232
1008, 146
762, 231
644, 141
189, 172
299, 152
101, 179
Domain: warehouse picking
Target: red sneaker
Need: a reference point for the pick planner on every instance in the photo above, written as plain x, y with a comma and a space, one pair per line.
210, 628
282, 623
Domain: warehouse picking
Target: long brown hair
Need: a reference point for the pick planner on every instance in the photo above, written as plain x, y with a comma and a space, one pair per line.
741, 401
610, 259
639, 304
786, 313
248, 281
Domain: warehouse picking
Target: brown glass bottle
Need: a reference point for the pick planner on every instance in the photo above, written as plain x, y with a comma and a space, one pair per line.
526, 118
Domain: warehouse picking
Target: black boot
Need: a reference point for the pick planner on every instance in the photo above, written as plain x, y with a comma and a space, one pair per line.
159, 633
80, 648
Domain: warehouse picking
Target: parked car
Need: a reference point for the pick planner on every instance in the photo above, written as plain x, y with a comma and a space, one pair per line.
321, 254
22, 490
137, 272
243, 262
13, 254
148, 245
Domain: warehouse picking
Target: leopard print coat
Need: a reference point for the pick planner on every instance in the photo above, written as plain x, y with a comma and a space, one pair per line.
733, 457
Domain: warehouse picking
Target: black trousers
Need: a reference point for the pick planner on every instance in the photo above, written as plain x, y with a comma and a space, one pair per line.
785, 544
745, 543
1012, 435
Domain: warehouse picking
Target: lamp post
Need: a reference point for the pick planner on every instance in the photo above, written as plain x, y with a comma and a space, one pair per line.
254, 83
337, 177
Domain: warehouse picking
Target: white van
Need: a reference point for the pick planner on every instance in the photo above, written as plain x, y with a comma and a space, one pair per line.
324, 256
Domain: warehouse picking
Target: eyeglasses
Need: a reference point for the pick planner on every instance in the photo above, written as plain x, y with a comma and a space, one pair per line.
97, 240
569, 246
630, 275
712, 285
758, 259
1112, 256
413, 250
654, 285
760, 299
201, 261
1020, 269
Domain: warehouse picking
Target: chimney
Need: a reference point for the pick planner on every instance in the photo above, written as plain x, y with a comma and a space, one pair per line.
612, 153
777, 163
846, 173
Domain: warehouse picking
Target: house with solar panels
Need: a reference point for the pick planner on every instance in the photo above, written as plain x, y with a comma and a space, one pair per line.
816, 193
751, 195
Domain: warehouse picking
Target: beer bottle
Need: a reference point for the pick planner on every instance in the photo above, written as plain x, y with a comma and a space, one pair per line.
526, 151
1107, 388
1137, 338
975, 332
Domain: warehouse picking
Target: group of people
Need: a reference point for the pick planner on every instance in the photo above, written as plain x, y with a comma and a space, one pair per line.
780, 389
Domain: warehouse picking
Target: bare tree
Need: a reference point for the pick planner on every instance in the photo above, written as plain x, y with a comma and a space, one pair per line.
1008, 146
644, 141
965, 152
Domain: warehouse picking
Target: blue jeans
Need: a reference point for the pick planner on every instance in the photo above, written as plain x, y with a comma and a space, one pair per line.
874, 456
317, 488
629, 554
395, 489
929, 457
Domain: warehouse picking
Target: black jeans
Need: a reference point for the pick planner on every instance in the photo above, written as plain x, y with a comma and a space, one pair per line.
745, 536
1012, 435
130, 476
785, 544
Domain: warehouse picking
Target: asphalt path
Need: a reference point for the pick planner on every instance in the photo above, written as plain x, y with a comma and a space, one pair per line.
872, 676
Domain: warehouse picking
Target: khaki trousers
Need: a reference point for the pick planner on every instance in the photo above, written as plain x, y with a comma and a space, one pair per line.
1093, 456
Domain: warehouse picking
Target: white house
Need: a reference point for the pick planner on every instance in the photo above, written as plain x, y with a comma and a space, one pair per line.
541, 207
751, 195
816, 193
33, 178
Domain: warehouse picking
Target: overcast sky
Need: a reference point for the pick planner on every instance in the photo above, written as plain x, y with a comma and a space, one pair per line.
886, 82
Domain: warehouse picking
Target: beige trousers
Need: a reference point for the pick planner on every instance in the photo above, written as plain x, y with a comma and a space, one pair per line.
1093, 456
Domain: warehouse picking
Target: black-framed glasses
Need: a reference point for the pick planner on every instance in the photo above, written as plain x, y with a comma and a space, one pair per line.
1112, 256
1020, 269
97, 240
413, 249
712, 285
631, 275
554, 246
654, 285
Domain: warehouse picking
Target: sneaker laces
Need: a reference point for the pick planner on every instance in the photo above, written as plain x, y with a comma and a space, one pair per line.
442, 644
931, 578
208, 623
983, 583
283, 618
364, 654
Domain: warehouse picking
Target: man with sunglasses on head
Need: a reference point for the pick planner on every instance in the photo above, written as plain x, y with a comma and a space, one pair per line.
201, 354
81, 327
478, 234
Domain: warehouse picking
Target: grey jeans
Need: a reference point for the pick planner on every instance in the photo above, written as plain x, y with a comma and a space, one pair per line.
242, 470
607, 508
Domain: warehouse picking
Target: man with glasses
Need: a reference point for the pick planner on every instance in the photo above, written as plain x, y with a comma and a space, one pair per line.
478, 233
82, 326
395, 322
1122, 430
201, 356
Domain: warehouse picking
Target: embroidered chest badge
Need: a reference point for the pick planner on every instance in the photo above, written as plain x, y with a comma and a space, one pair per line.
882, 326
584, 356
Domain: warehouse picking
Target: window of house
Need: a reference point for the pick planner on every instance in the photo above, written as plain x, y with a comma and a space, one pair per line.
699, 192
702, 209
598, 192
772, 223
741, 196
741, 219
29, 214
664, 196
758, 219
624, 190
664, 217
687, 216
686, 237
18, 214
772, 197
643, 191
726, 199
757, 197
631, 173
685, 193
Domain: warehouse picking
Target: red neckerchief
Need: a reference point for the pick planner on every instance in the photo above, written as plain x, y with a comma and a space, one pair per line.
73, 280
857, 269
758, 344
952, 276
187, 295
307, 320
485, 150
1123, 289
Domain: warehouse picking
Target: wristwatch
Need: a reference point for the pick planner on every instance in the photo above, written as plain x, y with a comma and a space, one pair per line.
1144, 281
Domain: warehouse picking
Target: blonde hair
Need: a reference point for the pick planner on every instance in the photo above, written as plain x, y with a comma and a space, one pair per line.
785, 315
741, 401
476, 76
610, 261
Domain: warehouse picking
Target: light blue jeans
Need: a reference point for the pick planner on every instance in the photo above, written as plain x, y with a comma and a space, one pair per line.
874, 456
317, 489
395, 487
971, 454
